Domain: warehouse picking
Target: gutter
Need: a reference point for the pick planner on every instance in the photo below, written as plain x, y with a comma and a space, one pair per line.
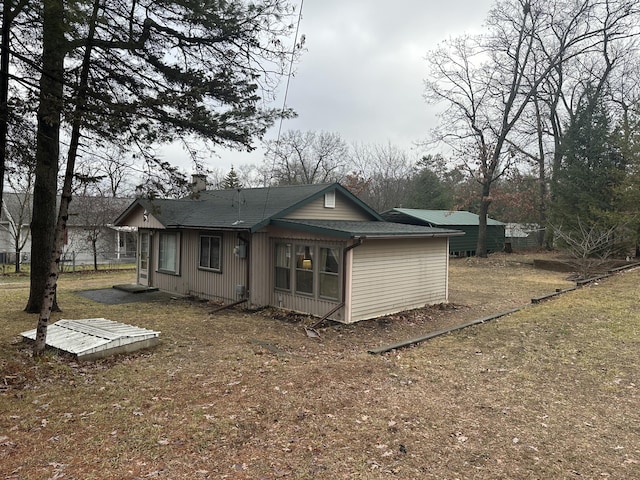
359, 241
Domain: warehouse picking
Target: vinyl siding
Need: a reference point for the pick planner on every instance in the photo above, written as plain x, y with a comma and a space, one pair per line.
344, 210
392, 276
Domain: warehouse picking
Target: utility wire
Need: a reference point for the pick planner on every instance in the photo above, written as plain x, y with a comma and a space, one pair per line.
284, 106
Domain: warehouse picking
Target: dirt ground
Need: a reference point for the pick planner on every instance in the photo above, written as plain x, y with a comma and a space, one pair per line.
549, 392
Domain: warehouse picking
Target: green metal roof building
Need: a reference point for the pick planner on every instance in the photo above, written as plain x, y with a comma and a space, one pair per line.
467, 222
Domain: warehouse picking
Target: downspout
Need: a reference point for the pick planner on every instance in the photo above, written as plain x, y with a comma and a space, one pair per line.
359, 241
248, 272
344, 289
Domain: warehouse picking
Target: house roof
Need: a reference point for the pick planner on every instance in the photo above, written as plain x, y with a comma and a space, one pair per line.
360, 229
247, 209
437, 217
84, 210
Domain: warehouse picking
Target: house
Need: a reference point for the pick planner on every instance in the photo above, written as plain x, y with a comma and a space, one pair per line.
15, 234
316, 249
467, 222
89, 230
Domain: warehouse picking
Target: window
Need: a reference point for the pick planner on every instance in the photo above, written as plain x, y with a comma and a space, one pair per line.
314, 271
283, 266
168, 252
330, 199
328, 272
304, 269
211, 252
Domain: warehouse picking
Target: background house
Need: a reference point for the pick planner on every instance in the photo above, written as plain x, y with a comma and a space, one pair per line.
91, 235
466, 222
316, 249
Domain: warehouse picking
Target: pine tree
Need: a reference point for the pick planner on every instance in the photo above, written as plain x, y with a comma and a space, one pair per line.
231, 181
592, 168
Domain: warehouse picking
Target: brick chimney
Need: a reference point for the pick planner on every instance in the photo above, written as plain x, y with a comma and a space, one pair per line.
198, 183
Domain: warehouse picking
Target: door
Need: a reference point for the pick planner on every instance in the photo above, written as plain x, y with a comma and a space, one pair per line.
143, 258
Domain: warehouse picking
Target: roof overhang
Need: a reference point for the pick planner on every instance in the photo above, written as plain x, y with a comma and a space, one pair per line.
364, 230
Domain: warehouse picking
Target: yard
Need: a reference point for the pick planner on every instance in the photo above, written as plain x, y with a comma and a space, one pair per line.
548, 392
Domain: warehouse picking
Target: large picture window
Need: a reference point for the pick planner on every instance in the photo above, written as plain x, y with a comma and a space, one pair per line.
211, 252
329, 269
168, 252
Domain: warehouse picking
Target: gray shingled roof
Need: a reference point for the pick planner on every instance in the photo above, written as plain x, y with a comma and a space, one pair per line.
353, 229
248, 209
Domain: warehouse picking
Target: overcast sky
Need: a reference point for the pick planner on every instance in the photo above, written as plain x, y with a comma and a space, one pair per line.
363, 69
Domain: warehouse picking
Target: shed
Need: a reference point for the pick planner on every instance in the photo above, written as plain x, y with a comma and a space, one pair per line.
93, 338
464, 221
522, 235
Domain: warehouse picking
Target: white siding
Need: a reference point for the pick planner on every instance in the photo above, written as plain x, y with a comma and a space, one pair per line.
390, 276
344, 210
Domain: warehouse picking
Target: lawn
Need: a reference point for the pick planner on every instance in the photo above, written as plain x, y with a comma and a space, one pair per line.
548, 392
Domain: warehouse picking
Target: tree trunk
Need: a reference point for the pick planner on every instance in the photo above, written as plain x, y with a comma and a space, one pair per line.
95, 254
5, 53
47, 151
18, 251
481, 248
61, 226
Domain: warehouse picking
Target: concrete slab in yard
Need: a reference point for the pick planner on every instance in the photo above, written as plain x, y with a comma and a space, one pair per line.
135, 288
112, 296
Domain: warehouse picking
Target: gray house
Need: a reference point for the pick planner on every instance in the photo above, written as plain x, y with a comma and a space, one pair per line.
466, 222
316, 249
90, 235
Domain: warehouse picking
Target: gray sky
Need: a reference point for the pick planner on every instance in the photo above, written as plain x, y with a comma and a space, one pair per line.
363, 69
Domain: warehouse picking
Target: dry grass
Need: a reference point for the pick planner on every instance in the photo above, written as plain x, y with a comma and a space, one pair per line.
549, 392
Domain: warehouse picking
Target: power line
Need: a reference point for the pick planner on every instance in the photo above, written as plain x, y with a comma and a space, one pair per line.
284, 105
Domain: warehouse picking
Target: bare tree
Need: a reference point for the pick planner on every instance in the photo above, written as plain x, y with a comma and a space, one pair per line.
489, 82
384, 173
17, 211
590, 245
307, 157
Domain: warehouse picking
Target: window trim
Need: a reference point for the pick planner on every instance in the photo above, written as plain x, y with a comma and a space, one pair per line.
330, 199
337, 274
220, 245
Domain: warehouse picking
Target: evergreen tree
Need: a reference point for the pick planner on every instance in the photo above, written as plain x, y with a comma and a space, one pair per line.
156, 72
231, 180
592, 168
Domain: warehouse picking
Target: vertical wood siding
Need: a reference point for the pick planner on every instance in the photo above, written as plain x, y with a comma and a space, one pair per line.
205, 283
344, 210
303, 303
261, 283
391, 276
136, 219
